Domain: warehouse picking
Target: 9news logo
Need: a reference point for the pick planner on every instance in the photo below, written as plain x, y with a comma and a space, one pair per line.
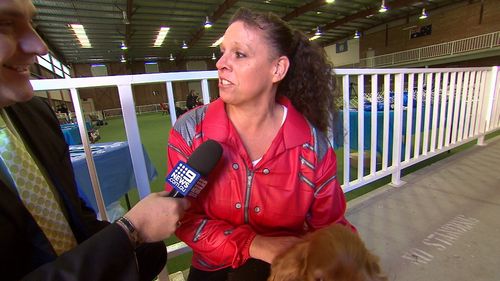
183, 178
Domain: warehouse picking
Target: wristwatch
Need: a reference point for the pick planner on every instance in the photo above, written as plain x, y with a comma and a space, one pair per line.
132, 233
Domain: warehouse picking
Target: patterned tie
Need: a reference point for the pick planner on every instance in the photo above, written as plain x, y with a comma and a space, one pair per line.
34, 191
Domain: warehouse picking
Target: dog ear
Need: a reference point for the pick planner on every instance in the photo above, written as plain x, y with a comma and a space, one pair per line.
291, 265
373, 268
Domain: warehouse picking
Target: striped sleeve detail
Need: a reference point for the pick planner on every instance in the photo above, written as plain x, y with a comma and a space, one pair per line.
186, 125
307, 181
322, 145
318, 190
173, 147
197, 234
319, 144
307, 163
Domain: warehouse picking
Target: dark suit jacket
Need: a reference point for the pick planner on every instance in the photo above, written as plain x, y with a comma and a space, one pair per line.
108, 255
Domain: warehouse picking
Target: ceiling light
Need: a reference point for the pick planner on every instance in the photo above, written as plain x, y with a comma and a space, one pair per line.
383, 8
184, 45
161, 36
208, 24
423, 15
318, 32
314, 37
213, 56
356, 35
123, 46
81, 35
217, 43
123, 59
329, 1
171, 57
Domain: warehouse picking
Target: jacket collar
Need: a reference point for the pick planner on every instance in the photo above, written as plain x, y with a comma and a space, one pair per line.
217, 125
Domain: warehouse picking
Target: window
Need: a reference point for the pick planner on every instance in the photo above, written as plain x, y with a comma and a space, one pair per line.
43, 62
151, 67
53, 65
99, 70
66, 71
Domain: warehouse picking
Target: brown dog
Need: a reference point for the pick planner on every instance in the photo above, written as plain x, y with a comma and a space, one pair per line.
333, 253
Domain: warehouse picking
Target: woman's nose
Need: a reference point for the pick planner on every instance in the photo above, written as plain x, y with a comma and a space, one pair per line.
221, 63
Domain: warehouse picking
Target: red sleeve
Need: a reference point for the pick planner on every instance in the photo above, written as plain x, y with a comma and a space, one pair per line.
221, 244
329, 205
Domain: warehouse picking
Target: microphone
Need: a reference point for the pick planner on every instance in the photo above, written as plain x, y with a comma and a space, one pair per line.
188, 179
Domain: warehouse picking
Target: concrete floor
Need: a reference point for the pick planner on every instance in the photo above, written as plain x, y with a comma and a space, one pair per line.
443, 224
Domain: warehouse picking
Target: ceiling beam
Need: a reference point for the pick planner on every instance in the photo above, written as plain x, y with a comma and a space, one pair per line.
216, 15
304, 9
365, 13
128, 27
393, 5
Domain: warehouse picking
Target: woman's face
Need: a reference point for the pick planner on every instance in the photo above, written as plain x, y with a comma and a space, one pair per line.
245, 69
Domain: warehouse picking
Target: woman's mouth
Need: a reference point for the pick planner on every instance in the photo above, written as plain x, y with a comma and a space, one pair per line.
225, 82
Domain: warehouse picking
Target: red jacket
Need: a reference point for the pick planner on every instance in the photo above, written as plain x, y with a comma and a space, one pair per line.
292, 190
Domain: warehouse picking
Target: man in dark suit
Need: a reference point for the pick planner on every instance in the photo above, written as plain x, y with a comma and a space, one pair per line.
118, 251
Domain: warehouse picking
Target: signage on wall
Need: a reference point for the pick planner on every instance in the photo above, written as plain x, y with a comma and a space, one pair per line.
420, 31
341, 47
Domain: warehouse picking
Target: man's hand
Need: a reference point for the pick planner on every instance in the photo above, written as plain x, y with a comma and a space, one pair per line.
157, 216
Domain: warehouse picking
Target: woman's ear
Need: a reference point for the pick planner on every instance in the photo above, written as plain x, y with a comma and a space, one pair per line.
281, 68
291, 265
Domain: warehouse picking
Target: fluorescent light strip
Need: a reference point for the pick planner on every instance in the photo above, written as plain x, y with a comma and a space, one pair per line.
314, 37
217, 43
161, 36
81, 35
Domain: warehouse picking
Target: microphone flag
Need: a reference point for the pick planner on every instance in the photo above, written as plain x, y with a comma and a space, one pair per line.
186, 180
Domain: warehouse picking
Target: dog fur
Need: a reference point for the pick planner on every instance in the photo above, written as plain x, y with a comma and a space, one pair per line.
334, 253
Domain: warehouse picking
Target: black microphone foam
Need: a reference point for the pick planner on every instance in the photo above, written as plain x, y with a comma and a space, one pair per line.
203, 160
205, 157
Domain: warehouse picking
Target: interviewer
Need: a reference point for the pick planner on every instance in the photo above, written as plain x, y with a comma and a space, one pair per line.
46, 231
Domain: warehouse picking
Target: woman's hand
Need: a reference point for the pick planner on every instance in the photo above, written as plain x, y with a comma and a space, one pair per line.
267, 248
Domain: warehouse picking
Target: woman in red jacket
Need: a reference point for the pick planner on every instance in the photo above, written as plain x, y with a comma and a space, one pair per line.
277, 179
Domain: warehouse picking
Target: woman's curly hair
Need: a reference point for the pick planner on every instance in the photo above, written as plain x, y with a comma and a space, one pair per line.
309, 82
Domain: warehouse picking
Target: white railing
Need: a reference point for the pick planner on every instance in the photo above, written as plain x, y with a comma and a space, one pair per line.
140, 109
452, 48
422, 112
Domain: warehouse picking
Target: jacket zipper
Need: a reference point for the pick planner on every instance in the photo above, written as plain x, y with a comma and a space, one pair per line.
248, 191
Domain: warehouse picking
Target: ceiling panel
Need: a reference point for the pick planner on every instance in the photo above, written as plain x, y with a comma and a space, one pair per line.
108, 23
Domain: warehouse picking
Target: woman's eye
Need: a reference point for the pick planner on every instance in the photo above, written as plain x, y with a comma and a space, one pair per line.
240, 55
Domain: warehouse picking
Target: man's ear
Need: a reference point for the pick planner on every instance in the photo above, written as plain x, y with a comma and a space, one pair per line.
281, 68
291, 265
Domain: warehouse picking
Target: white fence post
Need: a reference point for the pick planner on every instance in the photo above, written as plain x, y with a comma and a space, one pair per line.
398, 129
345, 128
493, 82
171, 102
134, 139
94, 180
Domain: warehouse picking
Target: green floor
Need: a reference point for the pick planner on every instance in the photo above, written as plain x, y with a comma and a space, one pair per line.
154, 128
